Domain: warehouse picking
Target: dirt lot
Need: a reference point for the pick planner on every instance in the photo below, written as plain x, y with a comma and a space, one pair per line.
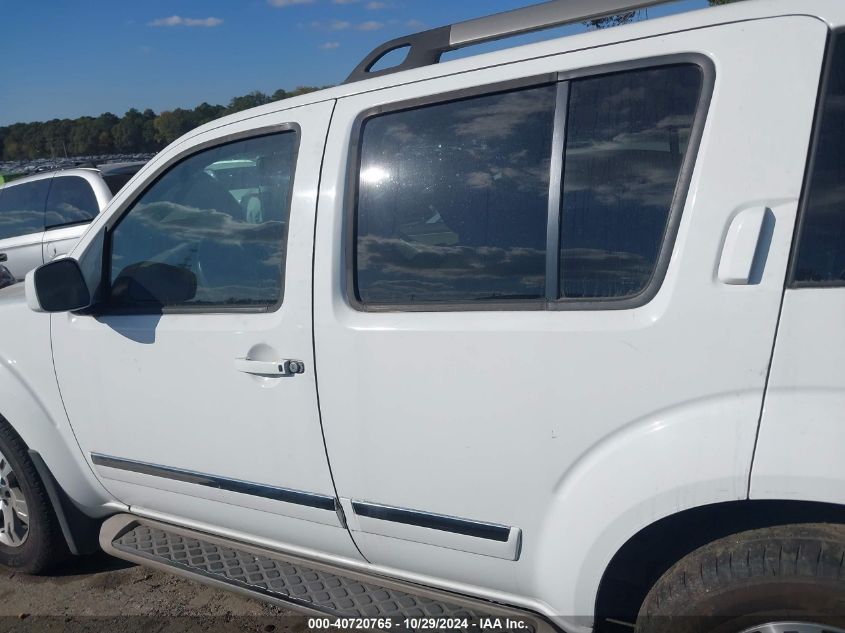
101, 593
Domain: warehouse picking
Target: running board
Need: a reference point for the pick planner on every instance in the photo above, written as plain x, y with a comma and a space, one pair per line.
295, 582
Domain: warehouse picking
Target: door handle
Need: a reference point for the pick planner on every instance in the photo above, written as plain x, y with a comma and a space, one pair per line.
270, 367
746, 246
3, 257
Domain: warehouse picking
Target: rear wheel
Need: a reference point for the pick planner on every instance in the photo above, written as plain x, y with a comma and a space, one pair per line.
30, 537
785, 579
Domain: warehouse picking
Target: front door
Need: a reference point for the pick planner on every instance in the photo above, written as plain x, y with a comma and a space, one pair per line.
192, 387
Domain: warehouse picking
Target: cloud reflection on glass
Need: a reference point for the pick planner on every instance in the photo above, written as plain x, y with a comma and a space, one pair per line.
453, 200
222, 215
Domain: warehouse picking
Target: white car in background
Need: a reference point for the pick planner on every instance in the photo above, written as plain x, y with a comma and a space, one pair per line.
42, 216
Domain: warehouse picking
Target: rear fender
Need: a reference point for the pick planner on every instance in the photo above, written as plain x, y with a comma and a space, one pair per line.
688, 456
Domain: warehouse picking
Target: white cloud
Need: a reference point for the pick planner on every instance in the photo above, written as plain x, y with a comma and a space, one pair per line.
287, 3
344, 1
373, 6
334, 25
330, 45
414, 24
342, 25
178, 20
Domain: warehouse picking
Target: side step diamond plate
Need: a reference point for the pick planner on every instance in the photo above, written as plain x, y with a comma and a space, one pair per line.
290, 580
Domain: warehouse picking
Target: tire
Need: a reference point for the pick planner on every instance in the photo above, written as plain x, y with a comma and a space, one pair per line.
36, 544
790, 573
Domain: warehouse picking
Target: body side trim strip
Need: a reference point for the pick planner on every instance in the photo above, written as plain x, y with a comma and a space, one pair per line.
323, 502
468, 527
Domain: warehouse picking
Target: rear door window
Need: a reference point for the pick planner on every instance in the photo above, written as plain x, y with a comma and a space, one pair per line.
548, 196
22, 208
71, 201
626, 139
115, 182
453, 201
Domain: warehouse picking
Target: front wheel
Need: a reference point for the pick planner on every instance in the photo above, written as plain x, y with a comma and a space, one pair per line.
784, 579
30, 537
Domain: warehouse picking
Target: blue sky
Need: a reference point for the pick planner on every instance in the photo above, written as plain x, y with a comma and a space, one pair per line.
63, 59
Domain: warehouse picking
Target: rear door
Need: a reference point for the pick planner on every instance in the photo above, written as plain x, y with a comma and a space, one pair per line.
22, 225
540, 264
71, 205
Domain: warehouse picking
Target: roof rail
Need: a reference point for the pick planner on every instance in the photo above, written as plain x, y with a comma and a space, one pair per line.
425, 48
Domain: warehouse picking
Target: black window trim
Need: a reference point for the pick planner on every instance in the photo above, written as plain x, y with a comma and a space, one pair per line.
104, 308
809, 168
680, 196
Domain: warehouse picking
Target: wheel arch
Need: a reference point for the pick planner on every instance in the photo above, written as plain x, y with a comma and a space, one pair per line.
643, 559
42, 425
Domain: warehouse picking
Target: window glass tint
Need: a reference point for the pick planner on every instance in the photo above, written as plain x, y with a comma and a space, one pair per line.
22, 208
453, 201
70, 201
115, 182
221, 215
626, 137
821, 251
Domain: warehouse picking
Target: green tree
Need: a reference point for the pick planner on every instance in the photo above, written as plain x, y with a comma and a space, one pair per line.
205, 112
83, 137
302, 90
134, 132
148, 134
251, 100
103, 126
171, 124
128, 134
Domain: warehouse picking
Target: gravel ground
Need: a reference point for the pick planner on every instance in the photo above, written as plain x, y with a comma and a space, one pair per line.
101, 593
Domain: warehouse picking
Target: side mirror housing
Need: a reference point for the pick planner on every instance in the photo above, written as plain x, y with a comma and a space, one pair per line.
57, 287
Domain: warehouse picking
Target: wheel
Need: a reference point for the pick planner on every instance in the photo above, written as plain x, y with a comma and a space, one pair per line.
785, 579
30, 537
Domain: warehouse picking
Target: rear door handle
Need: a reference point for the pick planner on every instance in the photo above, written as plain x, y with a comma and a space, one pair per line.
270, 367
746, 246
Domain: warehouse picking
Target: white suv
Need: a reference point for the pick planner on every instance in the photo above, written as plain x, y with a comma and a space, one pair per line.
549, 336
44, 215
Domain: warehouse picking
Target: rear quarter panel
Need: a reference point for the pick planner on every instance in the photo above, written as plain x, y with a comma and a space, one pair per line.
802, 434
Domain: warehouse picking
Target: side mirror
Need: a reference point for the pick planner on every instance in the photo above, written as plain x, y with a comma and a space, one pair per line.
57, 287
153, 284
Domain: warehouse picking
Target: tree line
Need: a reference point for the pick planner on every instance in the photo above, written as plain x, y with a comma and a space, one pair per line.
135, 132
